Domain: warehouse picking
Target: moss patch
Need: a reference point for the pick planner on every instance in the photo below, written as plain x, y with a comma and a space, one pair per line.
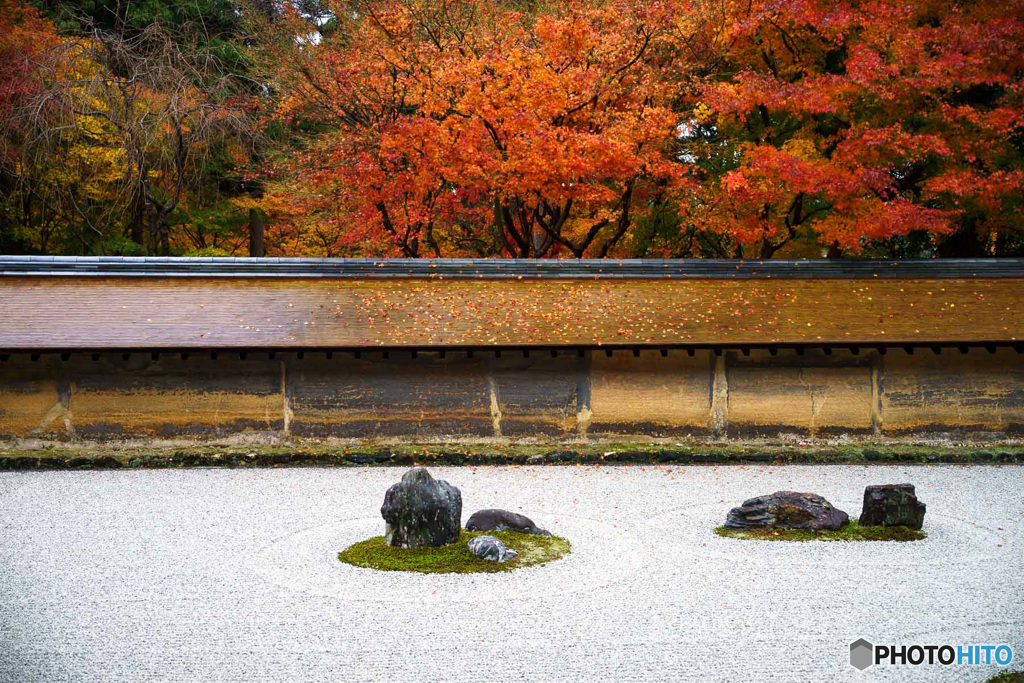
851, 532
1007, 677
455, 558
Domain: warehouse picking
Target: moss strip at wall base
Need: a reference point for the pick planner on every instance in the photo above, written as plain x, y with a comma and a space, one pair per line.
485, 453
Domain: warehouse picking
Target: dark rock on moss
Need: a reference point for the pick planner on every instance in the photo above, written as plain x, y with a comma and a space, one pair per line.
106, 462
553, 457
490, 548
23, 463
892, 505
674, 456
58, 462
638, 457
454, 458
503, 520
786, 510
370, 458
421, 512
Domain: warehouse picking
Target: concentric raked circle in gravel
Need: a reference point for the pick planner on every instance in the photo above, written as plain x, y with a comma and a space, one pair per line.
689, 530
307, 561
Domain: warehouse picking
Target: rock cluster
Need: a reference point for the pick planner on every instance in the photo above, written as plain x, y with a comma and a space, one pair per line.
892, 505
421, 511
490, 548
787, 510
503, 520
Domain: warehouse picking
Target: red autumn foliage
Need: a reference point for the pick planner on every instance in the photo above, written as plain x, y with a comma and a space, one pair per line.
484, 128
559, 128
25, 38
474, 128
863, 120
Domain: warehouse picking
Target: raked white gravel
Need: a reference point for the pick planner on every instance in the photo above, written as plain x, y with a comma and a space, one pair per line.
232, 575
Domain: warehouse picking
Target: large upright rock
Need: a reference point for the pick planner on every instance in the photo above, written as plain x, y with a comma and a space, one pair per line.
892, 505
787, 510
503, 520
421, 511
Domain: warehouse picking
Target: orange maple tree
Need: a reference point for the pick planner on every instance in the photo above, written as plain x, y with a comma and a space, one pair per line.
477, 128
859, 121
527, 128
483, 128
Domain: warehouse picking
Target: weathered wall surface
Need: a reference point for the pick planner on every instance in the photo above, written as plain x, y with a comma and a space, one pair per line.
377, 396
30, 401
173, 396
814, 393
106, 395
651, 393
971, 392
979, 393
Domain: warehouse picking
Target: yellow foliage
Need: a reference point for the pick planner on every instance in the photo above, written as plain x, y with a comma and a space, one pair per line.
802, 149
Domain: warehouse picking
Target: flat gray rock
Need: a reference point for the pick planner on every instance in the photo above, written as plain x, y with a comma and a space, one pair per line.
787, 510
503, 520
490, 548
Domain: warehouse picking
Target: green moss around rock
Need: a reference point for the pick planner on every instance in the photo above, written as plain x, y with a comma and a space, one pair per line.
851, 532
1007, 677
455, 558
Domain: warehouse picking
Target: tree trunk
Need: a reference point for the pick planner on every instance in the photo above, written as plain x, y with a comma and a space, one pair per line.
138, 222
160, 233
257, 233
961, 244
138, 236
152, 229
165, 237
